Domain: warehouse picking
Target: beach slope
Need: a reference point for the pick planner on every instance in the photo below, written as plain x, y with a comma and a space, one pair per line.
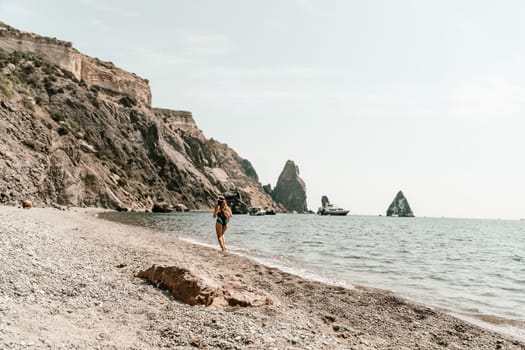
67, 281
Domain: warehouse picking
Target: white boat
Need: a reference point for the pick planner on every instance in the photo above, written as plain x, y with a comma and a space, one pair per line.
256, 211
329, 209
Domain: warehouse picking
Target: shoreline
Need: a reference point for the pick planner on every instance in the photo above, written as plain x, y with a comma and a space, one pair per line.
513, 327
61, 287
504, 326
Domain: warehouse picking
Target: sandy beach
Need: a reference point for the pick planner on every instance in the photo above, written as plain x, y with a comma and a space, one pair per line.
68, 282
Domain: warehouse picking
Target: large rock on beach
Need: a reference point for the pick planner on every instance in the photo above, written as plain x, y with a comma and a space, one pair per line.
399, 207
199, 288
290, 190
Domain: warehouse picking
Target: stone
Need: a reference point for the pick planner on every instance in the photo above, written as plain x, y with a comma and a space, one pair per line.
270, 211
182, 285
180, 207
58, 206
26, 204
161, 207
199, 288
235, 202
399, 207
290, 190
10, 67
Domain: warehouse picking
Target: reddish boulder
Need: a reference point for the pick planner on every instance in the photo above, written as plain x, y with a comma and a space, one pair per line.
198, 288
182, 284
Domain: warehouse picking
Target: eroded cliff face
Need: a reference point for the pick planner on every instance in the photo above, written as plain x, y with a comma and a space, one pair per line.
92, 71
66, 141
290, 190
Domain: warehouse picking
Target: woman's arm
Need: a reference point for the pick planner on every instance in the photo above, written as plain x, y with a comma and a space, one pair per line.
215, 211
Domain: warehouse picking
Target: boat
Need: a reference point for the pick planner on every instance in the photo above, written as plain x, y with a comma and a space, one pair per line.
256, 211
330, 209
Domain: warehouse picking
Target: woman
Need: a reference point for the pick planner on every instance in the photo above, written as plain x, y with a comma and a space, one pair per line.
222, 213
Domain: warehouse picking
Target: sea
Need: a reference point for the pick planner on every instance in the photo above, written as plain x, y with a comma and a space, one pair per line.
473, 269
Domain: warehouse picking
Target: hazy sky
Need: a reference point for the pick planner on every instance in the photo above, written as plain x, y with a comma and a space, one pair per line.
367, 97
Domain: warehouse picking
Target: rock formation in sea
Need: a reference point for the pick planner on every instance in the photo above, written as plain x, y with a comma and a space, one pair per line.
75, 130
325, 201
290, 190
400, 207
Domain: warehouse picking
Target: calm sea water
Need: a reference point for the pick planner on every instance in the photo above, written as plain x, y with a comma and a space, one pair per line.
475, 269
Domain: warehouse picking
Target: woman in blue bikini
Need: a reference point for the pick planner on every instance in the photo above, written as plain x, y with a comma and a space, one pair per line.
223, 214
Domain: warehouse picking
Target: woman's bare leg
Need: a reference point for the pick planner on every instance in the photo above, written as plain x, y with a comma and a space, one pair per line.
224, 228
220, 235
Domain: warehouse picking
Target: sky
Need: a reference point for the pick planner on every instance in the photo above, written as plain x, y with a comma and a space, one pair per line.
367, 97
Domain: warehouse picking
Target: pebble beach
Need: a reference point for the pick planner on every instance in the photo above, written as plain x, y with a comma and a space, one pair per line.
68, 282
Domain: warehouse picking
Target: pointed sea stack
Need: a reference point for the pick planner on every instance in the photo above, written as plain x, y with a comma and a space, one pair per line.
324, 201
290, 190
399, 207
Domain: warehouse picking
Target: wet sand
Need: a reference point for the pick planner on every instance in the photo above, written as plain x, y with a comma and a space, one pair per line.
68, 282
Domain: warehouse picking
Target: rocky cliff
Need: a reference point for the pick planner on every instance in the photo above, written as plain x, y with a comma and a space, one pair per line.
290, 190
399, 207
77, 131
92, 71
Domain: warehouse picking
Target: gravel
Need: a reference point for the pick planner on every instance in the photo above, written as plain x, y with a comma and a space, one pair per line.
67, 282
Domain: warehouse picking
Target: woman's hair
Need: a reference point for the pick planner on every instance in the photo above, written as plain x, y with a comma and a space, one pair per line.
222, 203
